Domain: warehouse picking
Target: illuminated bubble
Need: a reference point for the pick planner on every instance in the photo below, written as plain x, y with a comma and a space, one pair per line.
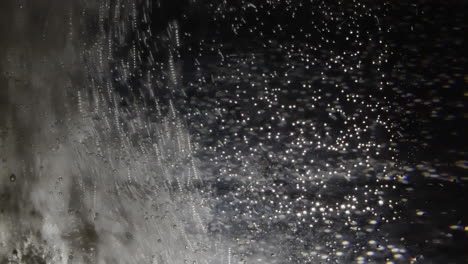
420, 213
458, 227
462, 164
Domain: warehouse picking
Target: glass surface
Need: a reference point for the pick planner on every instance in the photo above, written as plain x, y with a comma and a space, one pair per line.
233, 131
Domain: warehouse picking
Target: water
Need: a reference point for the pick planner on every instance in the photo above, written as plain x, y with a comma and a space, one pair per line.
232, 132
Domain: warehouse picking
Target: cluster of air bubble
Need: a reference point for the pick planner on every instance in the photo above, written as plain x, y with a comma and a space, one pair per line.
261, 132
429, 80
290, 105
268, 139
224, 132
